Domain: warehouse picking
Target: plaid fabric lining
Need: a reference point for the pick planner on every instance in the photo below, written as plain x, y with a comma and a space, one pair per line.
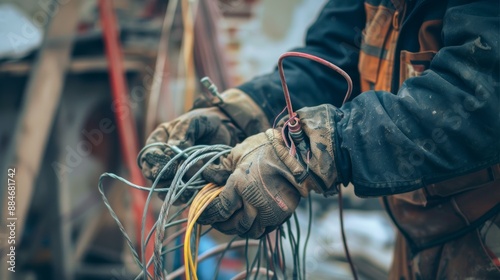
377, 56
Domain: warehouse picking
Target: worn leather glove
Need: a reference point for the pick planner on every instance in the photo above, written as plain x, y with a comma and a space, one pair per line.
238, 116
263, 180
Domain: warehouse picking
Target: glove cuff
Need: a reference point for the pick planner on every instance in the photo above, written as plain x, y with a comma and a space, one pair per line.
314, 168
318, 124
302, 178
241, 109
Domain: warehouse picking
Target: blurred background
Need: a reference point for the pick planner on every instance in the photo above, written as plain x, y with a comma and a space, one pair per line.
82, 84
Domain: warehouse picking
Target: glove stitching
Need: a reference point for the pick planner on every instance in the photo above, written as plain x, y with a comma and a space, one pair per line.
257, 199
243, 225
279, 201
252, 150
224, 207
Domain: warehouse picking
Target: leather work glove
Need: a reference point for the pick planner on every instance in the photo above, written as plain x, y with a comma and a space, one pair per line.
263, 181
226, 124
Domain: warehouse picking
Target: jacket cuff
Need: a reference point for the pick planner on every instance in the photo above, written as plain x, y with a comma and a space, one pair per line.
244, 112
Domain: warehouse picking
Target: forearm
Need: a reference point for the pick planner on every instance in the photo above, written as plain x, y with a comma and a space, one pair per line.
440, 125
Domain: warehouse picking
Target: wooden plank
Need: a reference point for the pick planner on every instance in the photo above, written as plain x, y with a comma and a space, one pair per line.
78, 66
41, 99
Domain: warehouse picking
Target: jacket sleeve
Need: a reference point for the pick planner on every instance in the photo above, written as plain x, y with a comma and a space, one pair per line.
442, 124
335, 36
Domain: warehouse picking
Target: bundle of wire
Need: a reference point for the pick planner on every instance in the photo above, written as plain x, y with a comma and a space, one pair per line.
270, 250
269, 259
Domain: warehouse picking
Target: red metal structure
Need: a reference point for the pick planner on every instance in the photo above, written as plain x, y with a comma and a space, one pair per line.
125, 122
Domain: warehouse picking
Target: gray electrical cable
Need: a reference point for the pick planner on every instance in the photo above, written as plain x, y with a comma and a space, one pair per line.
199, 154
199, 157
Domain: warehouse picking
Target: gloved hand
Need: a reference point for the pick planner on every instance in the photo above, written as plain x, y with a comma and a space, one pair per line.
228, 123
263, 180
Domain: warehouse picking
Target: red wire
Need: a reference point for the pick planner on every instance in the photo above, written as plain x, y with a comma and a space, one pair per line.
314, 58
293, 124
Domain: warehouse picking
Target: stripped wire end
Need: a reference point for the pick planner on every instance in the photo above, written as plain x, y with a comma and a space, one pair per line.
293, 119
212, 88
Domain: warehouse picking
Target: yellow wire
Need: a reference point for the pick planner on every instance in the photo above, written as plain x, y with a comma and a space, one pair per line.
206, 195
200, 203
201, 206
187, 51
198, 236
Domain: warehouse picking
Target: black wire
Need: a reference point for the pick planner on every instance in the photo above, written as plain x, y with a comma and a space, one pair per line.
275, 255
291, 239
265, 256
272, 251
246, 256
296, 253
297, 246
278, 268
344, 240
309, 226
222, 256
258, 259
282, 251
254, 262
